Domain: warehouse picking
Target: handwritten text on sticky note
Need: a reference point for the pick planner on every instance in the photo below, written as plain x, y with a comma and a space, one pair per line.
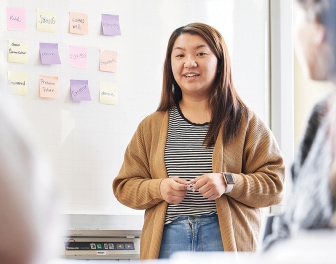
49, 53
17, 51
46, 20
16, 18
108, 61
108, 93
110, 25
79, 90
78, 23
78, 57
17, 82
49, 86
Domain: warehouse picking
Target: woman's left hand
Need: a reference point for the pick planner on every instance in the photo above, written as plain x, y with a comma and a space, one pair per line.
210, 185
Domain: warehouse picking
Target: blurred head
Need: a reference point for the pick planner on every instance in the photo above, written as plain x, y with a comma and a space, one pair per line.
171, 92
314, 37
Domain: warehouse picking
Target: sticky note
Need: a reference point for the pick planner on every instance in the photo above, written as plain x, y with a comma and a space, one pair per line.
17, 82
46, 20
79, 90
16, 18
48, 86
49, 53
108, 61
17, 51
110, 25
108, 93
78, 23
78, 56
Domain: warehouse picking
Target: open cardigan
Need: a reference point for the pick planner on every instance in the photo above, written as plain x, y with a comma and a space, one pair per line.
253, 156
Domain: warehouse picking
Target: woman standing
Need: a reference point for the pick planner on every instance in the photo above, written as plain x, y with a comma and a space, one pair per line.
203, 164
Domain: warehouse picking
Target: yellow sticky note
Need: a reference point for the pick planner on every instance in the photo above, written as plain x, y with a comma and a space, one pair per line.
46, 20
78, 23
48, 86
17, 82
108, 61
17, 51
108, 93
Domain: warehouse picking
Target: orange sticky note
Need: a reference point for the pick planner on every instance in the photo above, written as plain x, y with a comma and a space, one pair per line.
78, 23
48, 86
108, 61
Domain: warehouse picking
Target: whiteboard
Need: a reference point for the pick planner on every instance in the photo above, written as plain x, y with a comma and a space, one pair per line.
86, 140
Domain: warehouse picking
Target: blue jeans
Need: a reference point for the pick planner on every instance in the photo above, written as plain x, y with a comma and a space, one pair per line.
191, 233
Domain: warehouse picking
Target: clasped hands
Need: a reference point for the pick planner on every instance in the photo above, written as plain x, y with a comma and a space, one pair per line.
210, 185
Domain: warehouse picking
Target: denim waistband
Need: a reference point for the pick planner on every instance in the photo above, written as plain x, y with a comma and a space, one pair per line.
197, 218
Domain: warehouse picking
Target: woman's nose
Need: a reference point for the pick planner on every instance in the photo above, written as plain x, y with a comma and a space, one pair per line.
190, 63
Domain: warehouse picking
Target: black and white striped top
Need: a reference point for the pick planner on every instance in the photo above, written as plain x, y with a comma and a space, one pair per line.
187, 157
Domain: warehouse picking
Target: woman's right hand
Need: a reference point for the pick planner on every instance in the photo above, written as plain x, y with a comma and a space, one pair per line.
173, 190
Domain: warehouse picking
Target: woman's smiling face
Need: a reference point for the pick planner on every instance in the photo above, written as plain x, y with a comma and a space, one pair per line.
194, 65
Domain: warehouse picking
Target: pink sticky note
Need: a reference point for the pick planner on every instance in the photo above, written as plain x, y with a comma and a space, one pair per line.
49, 53
79, 90
78, 57
16, 18
110, 25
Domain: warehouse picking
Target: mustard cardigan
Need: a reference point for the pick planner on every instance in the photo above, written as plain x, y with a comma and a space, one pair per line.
253, 156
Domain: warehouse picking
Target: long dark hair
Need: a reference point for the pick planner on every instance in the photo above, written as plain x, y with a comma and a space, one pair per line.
226, 106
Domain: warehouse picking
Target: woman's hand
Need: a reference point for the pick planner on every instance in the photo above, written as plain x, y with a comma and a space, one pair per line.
173, 190
210, 185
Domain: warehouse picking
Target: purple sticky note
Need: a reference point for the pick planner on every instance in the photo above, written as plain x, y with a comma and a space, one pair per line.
49, 53
79, 90
110, 25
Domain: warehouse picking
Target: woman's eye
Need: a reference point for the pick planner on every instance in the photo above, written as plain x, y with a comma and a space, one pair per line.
201, 54
179, 56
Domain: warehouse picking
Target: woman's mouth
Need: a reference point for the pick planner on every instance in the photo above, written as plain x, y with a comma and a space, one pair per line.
191, 75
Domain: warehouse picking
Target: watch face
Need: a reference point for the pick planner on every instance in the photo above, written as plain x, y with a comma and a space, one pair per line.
229, 178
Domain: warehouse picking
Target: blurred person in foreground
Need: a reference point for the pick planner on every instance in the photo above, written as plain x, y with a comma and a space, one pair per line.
29, 223
311, 204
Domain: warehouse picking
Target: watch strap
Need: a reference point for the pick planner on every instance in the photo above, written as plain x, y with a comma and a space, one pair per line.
229, 185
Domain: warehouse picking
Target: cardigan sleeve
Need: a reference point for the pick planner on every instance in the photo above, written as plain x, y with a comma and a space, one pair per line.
135, 186
260, 174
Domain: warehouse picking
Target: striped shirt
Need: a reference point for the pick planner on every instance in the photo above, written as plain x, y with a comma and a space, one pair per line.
187, 157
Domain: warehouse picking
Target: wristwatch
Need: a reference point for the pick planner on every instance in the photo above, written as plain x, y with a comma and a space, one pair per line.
229, 180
